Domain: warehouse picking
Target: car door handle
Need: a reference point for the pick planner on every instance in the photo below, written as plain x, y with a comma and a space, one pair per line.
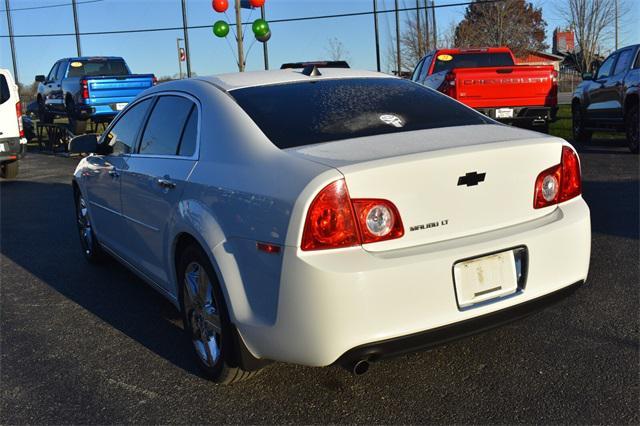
166, 183
114, 173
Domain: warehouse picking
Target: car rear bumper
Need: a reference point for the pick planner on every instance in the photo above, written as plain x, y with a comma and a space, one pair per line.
12, 149
331, 302
525, 116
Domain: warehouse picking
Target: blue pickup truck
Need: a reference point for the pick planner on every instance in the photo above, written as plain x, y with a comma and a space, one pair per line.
83, 88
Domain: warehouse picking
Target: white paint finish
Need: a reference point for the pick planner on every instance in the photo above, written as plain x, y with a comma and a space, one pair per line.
8, 120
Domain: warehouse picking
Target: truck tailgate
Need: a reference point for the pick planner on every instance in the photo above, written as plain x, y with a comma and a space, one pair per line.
114, 90
520, 85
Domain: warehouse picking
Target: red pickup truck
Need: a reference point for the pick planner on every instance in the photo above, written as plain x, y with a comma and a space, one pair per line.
489, 81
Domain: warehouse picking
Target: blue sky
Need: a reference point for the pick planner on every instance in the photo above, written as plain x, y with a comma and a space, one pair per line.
155, 52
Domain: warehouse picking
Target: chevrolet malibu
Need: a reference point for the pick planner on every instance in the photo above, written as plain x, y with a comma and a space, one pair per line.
329, 216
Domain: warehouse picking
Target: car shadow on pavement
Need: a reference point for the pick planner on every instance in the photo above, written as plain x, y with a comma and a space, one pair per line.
615, 207
41, 237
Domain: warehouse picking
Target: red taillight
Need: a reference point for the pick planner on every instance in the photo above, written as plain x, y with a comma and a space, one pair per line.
554, 76
334, 220
449, 85
19, 117
154, 80
85, 89
559, 183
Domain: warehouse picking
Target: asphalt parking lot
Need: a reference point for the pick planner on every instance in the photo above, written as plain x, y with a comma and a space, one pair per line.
93, 344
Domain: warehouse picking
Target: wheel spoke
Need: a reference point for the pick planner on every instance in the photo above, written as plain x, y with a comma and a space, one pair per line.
212, 321
204, 287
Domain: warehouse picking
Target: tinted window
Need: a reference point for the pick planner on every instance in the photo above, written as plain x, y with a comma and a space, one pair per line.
605, 69
425, 68
4, 89
472, 60
190, 134
97, 67
62, 68
52, 73
123, 135
636, 65
624, 61
416, 72
326, 110
166, 123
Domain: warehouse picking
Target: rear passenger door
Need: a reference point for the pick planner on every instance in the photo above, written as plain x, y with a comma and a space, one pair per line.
154, 180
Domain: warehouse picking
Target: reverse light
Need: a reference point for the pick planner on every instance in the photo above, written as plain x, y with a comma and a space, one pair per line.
19, 117
559, 183
334, 220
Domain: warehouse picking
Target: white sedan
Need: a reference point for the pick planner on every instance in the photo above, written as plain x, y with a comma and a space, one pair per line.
330, 216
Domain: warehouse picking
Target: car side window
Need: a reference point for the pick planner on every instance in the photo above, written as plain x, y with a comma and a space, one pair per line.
62, 69
52, 74
636, 65
4, 89
624, 61
123, 135
416, 72
166, 126
189, 134
605, 69
425, 68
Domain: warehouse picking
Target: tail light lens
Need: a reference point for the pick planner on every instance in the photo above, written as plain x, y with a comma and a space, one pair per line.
154, 80
559, 183
19, 117
85, 89
554, 76
449, 84
334, 220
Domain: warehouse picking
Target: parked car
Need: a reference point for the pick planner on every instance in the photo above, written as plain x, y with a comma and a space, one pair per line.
12, 141
489, 81
608, 99
331, 218
85, 88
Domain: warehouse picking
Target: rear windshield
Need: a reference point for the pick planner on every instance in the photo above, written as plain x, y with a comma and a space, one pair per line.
97, 67
306, 113
472, 60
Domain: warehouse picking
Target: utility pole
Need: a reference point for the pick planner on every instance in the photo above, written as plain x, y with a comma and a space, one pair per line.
435, 31
375, 28
11, 41
419, 35
265, 50
186, 37
426, 25
398, 37
239, 37
616, 1
178, 40
75, 24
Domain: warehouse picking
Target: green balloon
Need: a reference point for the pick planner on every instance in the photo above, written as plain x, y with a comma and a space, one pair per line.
260, 27
221, 29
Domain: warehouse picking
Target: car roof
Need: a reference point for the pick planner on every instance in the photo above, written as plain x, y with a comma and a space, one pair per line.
241, 80
89, 58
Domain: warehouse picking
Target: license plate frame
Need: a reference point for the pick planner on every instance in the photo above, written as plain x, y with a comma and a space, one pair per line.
485, 278
121, 105
504, 113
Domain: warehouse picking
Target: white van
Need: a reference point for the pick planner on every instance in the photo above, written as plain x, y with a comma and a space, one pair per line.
12, 141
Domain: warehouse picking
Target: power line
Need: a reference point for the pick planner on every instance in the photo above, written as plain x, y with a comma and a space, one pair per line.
49, 6
274, 21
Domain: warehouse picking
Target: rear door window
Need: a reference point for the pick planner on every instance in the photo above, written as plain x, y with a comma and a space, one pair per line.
447, 62
5, 95
166, 126
306, 113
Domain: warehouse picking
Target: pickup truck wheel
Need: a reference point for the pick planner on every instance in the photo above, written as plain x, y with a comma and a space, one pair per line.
44, 117
9, 170
90, 246
580, 134
632, 120
77, 127
206, 319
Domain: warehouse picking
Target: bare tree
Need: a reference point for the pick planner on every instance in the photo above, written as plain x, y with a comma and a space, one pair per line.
592, 22
414, 43
336, 50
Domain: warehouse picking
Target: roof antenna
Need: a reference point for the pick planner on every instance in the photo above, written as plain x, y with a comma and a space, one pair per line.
311, 71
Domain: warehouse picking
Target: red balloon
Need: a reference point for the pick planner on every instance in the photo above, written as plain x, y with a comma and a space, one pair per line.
256, 3
220, 5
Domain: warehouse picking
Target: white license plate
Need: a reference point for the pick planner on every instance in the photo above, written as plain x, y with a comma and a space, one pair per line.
504, 113
120, 105
485, 278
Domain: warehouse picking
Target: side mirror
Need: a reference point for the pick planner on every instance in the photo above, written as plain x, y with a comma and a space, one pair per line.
40, 78
587, 76
84, 143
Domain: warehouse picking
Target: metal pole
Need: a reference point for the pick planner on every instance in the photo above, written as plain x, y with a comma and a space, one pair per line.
426, 25
11, 41
240, 38
179, 58
375, 28
616, 24
435, 30
265, 49
186, 37
75, 24
398, 37
419, 28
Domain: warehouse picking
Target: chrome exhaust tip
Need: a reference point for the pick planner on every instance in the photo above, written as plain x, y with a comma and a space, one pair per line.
360, 367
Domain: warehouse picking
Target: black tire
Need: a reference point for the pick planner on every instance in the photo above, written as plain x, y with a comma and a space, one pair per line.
88, 241
632, 125
76, 126
44, 116
581, 136
9, 170
225, 368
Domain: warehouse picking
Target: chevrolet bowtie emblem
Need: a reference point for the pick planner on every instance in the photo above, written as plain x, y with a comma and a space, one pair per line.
471, 179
